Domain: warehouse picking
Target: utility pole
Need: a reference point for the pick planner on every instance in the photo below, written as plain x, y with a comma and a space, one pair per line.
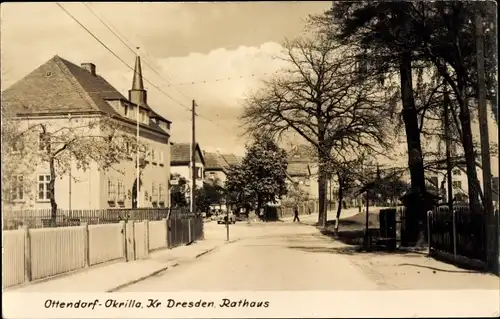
449, 165
137, 162
193, 157
491, 220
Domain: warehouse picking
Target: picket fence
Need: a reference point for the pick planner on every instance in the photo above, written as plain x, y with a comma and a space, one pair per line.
33, 254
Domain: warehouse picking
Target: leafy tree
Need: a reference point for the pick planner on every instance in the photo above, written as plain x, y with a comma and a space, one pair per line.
178, 190
261, 177
386, 38
404, 36
320, 96
211, 193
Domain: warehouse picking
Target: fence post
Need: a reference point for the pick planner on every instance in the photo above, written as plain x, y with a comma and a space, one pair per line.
27, 254
166, 231
146, 237
429, 216
123, 226
190, 235
453, 214
133, 241
169, 233
86, 243
202, 235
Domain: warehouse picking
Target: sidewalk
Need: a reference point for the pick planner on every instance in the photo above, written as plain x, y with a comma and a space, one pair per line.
110, 277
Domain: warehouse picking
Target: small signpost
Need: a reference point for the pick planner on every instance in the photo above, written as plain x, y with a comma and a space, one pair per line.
227, 219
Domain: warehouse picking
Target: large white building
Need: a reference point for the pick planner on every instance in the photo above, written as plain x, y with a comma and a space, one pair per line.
70, 100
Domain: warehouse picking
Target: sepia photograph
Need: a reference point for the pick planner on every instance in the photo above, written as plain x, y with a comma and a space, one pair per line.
249, 159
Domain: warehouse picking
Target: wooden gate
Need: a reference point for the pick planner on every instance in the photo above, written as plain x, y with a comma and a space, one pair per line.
130, 240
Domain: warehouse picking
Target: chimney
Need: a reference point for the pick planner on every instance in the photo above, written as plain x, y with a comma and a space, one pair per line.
89, 67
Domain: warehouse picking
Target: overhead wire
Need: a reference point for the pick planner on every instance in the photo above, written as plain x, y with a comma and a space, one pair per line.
117, 56
123, 40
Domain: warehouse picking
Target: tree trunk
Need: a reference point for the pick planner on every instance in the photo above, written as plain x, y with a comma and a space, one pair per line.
322, 185
339, 206
52, 193
470, 160
415, 159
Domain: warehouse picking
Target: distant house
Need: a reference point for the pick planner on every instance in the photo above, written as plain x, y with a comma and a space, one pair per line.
301, 174
215, 167
181, 159
61, 94
232, 159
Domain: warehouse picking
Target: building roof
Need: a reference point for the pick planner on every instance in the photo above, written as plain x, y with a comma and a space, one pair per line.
301, 153
298, 169
214, 162
181, 152
60, 86
232, 159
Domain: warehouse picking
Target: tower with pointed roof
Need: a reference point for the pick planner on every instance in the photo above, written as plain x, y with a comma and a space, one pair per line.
55, 91
138, 95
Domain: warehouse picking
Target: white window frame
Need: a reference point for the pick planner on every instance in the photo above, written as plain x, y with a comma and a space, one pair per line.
161, 193
154, 192
160, 157
111, 191
153, 155
120, 191
142, 116
457, 184
45, 188
17, 188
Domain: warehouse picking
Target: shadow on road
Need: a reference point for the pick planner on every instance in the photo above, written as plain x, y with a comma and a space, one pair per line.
351, 250
439, 269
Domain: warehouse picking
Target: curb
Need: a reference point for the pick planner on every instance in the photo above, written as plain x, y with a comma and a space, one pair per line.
140, 279
205, 252
156, 272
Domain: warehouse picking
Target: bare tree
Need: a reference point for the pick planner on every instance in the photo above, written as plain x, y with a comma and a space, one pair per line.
320, 96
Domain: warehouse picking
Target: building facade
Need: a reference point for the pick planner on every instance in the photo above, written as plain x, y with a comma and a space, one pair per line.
215, 168
181, 159
77, 110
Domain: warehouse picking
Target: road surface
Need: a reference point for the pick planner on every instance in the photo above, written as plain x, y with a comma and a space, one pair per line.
265, 256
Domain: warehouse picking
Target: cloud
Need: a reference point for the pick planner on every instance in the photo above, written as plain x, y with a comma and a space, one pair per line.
184, 42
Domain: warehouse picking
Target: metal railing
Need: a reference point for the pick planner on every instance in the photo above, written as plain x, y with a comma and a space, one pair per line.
41, 218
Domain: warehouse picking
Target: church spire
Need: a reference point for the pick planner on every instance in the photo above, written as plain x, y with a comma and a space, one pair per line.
137, 94
137, 83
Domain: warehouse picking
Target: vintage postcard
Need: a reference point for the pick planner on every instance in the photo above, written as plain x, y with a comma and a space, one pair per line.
293, 159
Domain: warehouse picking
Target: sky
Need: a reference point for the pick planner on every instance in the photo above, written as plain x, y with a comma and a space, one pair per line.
215, 53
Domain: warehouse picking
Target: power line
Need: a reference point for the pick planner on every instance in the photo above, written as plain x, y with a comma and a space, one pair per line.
126, 64
119, 37
123, 40
222, 79
117, 56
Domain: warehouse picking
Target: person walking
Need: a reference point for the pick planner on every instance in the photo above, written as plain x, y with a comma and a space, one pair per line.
296, 214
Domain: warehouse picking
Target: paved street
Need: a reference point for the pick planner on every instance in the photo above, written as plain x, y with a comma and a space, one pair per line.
291, 256
267, 256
